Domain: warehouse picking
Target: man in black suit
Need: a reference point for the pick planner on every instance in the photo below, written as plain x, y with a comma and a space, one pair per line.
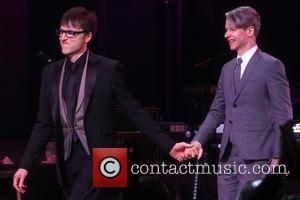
77, 100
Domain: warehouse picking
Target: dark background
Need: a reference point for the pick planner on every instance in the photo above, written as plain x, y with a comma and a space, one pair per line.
172, 50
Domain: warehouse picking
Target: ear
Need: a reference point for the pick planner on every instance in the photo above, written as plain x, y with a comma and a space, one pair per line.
250, 31
88, 37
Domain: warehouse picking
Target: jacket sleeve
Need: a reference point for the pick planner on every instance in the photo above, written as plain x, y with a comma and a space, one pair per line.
279, 93
41, 131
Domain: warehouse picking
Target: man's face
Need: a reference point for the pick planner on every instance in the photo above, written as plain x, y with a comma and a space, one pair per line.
238, 38
73, 40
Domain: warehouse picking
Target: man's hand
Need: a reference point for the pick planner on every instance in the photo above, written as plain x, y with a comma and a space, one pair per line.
274, 161
18, 180
177, 151
195, 151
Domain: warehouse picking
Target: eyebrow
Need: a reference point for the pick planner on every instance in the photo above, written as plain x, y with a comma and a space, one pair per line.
70, 30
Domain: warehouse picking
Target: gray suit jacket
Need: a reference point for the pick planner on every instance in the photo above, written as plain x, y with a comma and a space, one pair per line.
253, 114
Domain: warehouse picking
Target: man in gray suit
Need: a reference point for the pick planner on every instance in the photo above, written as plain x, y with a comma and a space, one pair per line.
252, 100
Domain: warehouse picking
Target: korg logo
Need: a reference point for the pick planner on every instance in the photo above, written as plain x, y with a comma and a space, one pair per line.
296, 128
178, 128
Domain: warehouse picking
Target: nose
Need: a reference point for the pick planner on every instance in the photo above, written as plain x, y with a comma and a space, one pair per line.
226, 34
62, 36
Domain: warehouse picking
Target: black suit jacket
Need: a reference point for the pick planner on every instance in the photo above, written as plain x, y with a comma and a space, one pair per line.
105, 87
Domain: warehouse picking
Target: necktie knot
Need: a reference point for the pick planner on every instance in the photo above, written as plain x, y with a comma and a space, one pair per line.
239, 61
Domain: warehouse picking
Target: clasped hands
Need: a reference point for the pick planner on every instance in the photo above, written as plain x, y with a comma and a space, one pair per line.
183, 151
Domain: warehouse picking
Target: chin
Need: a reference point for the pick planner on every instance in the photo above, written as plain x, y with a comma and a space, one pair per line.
232, 48
65, 52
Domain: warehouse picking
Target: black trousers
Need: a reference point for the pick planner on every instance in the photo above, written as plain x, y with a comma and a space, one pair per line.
79, 172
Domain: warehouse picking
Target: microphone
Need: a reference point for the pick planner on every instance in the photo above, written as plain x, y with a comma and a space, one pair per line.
209, 60
189, 135
203, 63
43, 57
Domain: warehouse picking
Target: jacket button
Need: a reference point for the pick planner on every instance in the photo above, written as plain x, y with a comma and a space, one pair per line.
230, 122
234, 105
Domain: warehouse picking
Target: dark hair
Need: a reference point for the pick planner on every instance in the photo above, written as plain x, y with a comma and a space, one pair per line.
80, 16
243, 17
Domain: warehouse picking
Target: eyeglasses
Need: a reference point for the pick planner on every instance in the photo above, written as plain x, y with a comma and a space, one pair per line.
68, 33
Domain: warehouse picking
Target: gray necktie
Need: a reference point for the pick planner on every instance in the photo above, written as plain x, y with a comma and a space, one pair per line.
237, 74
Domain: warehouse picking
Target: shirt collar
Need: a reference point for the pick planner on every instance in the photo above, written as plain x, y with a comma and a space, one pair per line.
247, 55
80, 62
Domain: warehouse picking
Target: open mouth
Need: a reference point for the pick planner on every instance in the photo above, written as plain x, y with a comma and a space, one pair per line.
230, 41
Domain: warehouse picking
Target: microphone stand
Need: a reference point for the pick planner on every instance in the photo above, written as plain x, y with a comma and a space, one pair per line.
196, 185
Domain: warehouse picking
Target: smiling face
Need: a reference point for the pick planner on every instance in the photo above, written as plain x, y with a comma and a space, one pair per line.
73, 47
239, 39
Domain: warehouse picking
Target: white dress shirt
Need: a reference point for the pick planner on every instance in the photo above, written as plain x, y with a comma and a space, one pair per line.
246, 57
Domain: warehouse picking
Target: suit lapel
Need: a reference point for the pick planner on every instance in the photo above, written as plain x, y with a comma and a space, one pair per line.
252, 64
91, 75
81, 92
